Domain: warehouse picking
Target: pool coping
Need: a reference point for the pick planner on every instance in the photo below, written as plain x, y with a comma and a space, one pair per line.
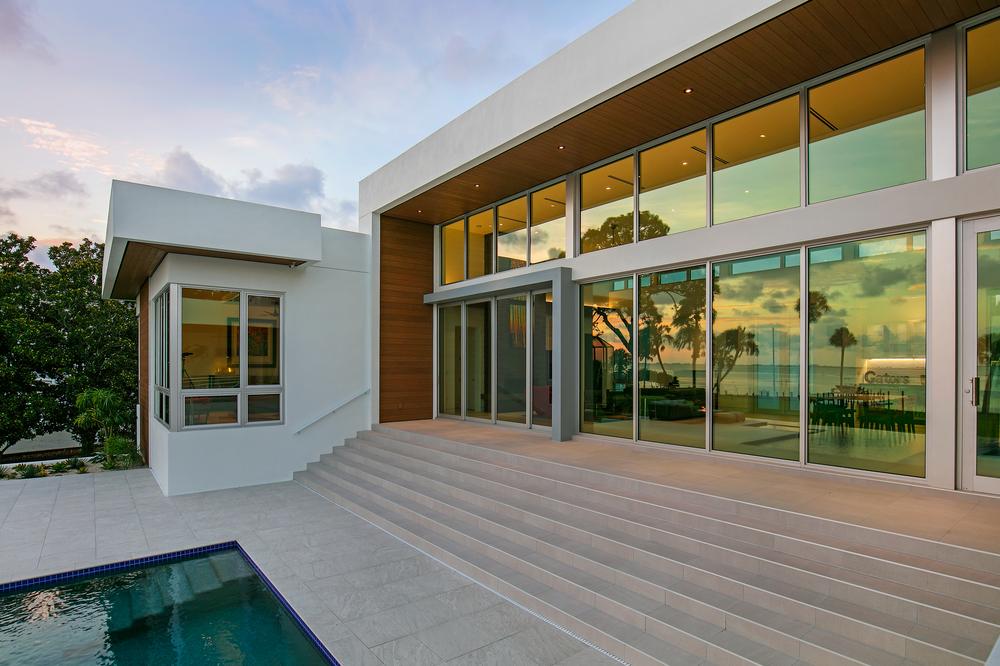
134, 563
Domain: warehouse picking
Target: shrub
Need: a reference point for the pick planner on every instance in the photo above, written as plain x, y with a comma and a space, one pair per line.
60, 467
119, 453
76, 463
33, 471
5, 472
19, 469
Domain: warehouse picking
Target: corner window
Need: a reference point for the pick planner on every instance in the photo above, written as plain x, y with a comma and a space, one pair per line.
230, 357
867, 129
982, 96
453, 252
481, 244
512, 234
161, 357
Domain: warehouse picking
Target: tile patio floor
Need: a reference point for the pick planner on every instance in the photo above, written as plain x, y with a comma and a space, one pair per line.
369, 597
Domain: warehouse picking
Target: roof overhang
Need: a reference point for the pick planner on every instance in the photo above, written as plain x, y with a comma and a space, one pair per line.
730, 52
145, 223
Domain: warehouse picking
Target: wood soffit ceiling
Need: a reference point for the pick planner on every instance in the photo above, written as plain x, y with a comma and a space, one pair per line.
805, 42
141, 260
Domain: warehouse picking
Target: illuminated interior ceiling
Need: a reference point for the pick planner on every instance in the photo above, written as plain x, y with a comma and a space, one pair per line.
807, 41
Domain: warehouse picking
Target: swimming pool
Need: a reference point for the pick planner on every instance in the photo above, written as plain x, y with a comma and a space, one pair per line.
207, 607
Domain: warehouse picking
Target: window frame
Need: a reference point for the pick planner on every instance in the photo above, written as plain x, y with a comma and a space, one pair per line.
244, 389
161, 350
961, 83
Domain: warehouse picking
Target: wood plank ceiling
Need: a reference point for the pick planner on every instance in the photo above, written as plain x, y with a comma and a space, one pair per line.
807, 41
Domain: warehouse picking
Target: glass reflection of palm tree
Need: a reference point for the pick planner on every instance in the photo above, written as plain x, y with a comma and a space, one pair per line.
727, 348
842, 338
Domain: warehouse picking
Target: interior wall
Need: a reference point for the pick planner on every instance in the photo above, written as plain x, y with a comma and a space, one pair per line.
406, 332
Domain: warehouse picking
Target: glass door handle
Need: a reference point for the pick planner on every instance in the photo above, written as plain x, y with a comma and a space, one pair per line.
974, 400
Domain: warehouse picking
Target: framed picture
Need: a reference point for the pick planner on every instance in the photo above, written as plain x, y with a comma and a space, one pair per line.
262, 341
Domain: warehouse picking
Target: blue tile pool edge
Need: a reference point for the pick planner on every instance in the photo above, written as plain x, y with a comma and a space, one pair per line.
163, 558
284, 602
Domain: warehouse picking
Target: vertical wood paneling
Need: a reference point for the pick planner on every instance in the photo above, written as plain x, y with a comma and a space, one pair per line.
144, 334
406, 327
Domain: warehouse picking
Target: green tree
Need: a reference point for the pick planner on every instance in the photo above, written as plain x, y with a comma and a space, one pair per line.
818, 306
98, 337
28, 347
617, 230
843, 338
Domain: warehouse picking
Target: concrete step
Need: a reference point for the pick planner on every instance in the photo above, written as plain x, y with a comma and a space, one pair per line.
876, 587
201, 576
974, 563
737, 637
752, 607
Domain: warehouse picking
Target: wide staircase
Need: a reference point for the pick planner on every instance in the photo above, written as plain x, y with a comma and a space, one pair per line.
660, 575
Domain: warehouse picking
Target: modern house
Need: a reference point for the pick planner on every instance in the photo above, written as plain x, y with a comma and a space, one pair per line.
704, 248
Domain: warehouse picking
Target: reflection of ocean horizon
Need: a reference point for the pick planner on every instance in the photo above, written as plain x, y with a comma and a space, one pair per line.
783, 380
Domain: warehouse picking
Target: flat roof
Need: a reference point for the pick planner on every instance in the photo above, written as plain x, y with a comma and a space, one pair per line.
145, 223
622, 84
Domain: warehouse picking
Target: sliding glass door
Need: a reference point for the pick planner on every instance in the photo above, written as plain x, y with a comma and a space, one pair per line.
495, 359
512, 358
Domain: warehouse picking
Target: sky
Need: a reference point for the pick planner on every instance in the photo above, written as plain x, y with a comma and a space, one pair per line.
285, 102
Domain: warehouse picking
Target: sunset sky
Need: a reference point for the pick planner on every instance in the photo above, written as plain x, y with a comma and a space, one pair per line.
276, 101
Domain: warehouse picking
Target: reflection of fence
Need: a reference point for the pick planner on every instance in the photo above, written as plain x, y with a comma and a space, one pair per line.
867, 411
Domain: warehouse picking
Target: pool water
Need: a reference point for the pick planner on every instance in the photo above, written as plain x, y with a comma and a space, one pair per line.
208, 609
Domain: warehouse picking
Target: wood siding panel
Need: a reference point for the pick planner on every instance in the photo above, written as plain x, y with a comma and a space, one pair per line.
406, 326
144, 383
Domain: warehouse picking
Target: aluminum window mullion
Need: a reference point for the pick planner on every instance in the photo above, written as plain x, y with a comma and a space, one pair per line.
635, 359
709, 173
803, 147
803, 355
709, 364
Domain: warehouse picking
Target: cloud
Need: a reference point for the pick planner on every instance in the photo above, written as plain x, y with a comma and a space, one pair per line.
746, 290
773, 306
877, 279
76, 150
293, 185
296, 90
183, 172
17, 34
57, 184
342, 214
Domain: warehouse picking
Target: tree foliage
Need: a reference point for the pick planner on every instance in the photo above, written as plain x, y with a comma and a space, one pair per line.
58, 338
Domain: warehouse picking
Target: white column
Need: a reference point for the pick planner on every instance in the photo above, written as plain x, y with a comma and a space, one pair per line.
374, 314
942, 109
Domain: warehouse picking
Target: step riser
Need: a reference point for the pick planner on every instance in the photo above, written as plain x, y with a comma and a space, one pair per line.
687, 642
570, 622
944, 585
789, 607
657, 492
910, 611
868, 634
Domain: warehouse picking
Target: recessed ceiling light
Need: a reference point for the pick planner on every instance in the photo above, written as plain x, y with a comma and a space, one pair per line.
419, 211
688, 91
746, 191
763, 136
684, 163
477, 184
562, 147
607, 187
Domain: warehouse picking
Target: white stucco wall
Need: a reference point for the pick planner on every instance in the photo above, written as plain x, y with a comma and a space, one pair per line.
326, 321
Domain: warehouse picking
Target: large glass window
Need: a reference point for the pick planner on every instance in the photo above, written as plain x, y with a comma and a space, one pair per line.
478, 361
671, 356
210, 331
450, 360
987, 353
548, 223
866, 129
756, 162
541, 359
606, 366
217, 380
481, 243
606, 206
512, 358
672, 186
512, 234
755, 356
453, 252
867, 345
982, 102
